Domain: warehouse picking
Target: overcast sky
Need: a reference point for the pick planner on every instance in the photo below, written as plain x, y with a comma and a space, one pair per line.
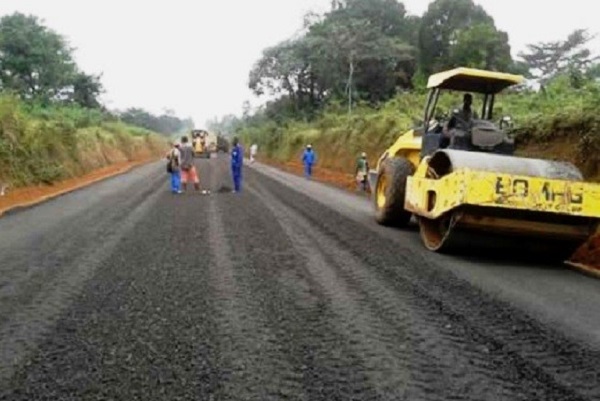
194, 56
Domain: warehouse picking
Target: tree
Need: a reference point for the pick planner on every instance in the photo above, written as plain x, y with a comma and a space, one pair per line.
166, 124
361, 48
546, 60
225, 126
481, 46
86, 89
36, 63
371, 41
361, 59
442, 25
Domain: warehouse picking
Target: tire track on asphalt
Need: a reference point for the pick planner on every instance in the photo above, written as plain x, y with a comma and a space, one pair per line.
456, 336
22, 329
415, 342
296, 307
251, 361
385, 365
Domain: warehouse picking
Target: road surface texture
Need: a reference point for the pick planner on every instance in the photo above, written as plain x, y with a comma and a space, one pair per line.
287, 291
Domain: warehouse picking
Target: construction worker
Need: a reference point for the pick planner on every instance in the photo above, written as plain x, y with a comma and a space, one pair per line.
362, 171
308, 158
188, 169
253, 150
237, 160
459, 117
174, 157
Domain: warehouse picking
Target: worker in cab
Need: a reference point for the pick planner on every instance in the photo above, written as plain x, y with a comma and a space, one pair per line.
237, 161
460, 117
308, 159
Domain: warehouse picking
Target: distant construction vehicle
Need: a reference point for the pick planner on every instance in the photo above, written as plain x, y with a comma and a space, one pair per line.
467, 180
204, 143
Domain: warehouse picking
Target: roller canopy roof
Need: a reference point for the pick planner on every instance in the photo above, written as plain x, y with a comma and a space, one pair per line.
473, 80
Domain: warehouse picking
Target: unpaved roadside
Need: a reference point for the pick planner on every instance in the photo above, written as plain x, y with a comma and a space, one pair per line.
32, 195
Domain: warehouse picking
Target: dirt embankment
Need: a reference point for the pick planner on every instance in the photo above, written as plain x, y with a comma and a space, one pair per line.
346, 179
333, 177
95, 161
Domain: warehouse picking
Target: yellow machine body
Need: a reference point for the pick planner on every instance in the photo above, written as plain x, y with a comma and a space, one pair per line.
483, 192
407, 145
204, 143
505, 194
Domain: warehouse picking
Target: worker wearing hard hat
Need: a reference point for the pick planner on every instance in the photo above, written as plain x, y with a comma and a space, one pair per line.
362, 171
308, 158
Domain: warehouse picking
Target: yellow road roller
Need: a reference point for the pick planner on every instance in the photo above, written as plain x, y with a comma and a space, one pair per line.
458, 176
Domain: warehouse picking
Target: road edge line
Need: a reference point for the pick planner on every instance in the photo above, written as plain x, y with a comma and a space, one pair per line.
27, 205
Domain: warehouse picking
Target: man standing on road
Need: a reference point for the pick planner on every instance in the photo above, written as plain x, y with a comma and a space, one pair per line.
237, 160
174, 157
253, 150
362, 171
308, 158
188, 169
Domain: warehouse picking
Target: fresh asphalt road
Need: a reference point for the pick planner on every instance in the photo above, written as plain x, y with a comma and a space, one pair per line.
287, 291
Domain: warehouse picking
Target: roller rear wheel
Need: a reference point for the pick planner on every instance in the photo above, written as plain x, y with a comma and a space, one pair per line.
390, 192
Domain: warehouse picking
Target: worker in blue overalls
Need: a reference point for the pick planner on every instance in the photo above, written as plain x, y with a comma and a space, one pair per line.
308, 158
237, 160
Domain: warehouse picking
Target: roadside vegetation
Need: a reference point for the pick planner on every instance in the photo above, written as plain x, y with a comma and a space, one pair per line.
52, 123
354, 81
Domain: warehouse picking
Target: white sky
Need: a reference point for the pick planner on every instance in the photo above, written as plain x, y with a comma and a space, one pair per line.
194, 56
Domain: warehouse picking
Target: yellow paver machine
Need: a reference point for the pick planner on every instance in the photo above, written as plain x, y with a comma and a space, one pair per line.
204, 143
458, 175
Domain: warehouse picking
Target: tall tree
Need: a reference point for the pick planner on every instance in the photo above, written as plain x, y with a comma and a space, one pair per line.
86, 89
441, 27
166, 123
549, 59
37, 63
481, 46
361, 48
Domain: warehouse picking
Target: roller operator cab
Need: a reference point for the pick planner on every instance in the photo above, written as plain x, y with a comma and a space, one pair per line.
457, 173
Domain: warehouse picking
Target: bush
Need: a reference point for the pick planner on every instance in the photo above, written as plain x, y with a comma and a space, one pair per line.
45, 144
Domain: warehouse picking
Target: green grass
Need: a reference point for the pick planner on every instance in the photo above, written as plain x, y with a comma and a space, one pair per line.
43, 145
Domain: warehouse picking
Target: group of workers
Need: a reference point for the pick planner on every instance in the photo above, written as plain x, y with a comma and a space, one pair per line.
361, 172
182, 169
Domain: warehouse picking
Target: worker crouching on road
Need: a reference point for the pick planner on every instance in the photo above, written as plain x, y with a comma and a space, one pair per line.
308, 158
174, 157
188, 169
237, 161
362, 172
